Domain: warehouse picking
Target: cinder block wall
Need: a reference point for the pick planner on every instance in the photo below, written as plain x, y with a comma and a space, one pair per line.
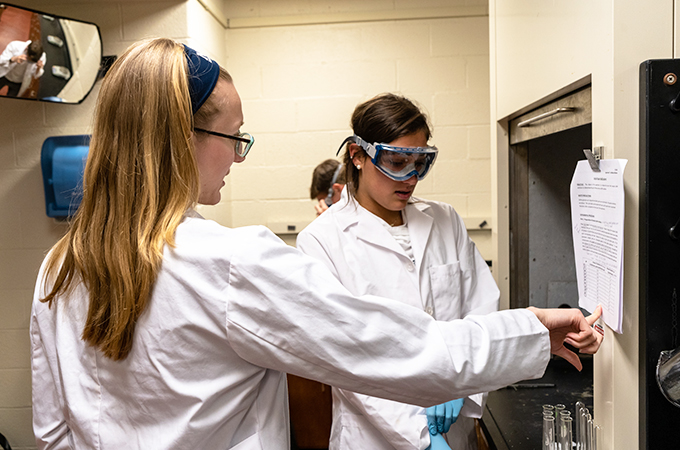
301, 69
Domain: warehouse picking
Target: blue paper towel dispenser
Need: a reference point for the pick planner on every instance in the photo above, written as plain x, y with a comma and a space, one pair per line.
63, 163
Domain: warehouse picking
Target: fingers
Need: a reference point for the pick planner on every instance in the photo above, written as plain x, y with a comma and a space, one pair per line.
595, 346
452, 411
441, 417
320, 207
448, 418
589, 344
458, 406
591, 319
589, 339
431, 419
570, 356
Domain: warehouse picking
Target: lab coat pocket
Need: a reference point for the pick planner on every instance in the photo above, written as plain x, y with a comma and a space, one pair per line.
445, 283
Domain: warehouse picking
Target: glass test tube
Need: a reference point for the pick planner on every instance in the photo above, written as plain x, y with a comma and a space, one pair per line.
548, 432
577, 421
558, 416
565, 432
565, 415
583, 422
597, 435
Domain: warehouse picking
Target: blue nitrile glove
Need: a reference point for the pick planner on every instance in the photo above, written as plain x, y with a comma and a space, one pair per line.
438, 443
441, 417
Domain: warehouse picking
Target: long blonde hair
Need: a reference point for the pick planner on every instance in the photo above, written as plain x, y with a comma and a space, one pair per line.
141, 177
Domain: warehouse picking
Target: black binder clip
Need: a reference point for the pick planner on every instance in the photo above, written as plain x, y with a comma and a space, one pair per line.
593, 157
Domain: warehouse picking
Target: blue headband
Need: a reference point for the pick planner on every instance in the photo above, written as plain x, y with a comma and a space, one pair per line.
203, 75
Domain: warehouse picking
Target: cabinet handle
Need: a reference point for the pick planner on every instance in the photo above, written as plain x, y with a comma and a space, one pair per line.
526, 123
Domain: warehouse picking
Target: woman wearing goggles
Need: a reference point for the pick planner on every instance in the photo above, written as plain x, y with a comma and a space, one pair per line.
379, 240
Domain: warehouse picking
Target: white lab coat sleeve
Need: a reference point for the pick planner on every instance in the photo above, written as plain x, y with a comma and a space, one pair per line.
50, 428
14, 48
286, 311
7, 55
39, 72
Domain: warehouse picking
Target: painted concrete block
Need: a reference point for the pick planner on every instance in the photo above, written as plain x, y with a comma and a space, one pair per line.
269, 115
151, 19
467, 107
16, 425
441, 74
15, 388
464, 176
15, 309
479, 205
460, 36
452, 143
324, 113
15, 349
479, 142
19, 267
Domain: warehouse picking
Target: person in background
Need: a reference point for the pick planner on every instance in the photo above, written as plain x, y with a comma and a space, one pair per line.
154, 328
20, 63
381, 240
328, 181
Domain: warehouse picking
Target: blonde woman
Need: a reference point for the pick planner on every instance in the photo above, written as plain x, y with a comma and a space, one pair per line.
153, 328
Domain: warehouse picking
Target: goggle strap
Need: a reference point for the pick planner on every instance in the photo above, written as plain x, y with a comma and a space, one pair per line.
350, 138
368, 148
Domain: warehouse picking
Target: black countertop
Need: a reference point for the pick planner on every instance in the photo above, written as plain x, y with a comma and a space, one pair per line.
512, 417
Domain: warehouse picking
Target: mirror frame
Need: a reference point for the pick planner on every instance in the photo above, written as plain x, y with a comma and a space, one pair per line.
98, 76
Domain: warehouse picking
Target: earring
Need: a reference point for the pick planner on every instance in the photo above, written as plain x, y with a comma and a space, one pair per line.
358, 166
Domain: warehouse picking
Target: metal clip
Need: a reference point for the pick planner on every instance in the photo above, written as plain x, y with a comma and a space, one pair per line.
593, 157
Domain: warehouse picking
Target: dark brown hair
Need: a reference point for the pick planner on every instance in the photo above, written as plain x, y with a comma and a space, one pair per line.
34, 51
322, 177
384, 118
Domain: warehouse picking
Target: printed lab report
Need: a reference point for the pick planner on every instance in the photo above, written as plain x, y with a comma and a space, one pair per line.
597, 217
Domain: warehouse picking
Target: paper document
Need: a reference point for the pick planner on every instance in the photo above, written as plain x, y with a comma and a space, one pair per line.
597, 213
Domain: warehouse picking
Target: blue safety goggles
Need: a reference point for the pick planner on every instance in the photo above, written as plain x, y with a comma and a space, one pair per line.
397, 163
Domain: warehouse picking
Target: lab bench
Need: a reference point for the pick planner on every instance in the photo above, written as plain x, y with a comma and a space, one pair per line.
512, 418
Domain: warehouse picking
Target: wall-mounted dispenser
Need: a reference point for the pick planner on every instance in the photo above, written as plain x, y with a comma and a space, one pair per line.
63, 162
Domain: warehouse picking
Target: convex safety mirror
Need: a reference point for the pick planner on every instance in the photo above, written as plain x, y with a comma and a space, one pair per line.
46, 57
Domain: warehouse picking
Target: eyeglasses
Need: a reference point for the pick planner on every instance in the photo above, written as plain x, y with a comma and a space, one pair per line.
241, 138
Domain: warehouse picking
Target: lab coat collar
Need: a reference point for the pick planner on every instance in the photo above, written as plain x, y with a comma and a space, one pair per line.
420, 227
191, 212
367, 227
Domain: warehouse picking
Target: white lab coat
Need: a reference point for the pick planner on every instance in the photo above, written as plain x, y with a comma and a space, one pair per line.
231, 311
16, 48
449, 280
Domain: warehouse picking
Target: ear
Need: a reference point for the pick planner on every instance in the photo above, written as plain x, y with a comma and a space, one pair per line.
337, 191
356, 154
